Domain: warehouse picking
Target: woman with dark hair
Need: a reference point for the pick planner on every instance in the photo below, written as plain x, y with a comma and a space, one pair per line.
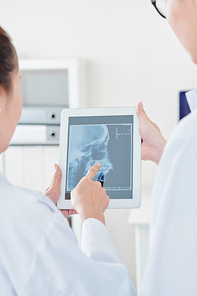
10, 107
39, 253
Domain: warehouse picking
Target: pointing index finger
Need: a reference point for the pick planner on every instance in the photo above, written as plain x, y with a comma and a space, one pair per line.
93, 170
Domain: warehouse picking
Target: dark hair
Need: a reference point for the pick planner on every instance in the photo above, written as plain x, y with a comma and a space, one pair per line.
8, 59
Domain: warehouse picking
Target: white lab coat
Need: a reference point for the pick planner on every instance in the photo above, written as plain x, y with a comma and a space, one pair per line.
172, 264
39, 253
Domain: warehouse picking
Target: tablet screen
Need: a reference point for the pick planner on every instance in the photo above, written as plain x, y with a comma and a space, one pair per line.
107, 140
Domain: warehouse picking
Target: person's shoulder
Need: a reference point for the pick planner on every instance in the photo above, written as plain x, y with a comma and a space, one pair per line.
16, 202
25, 212
27, 220
187, 127
183, 137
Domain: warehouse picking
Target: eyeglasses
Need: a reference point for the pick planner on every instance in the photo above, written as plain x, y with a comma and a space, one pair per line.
160, 6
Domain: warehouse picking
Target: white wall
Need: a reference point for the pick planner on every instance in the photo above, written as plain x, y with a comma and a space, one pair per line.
132, 56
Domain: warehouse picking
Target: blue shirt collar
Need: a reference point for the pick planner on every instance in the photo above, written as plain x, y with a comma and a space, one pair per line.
192, 99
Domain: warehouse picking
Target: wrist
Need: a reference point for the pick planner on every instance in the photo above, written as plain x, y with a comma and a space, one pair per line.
159, 151
92, 214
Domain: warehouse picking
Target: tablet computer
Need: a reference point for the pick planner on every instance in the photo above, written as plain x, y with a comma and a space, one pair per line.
109, 136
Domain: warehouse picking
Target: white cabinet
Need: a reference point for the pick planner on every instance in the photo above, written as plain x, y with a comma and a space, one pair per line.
31, 167
59, 82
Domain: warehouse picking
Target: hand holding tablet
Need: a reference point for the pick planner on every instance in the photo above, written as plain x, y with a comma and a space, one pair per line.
109, 136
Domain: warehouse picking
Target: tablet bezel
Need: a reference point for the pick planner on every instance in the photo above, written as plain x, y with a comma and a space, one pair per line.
135, 202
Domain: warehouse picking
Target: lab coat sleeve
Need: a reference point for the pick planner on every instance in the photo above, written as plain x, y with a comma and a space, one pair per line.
60, 268
97, 245
172, 263
96, 242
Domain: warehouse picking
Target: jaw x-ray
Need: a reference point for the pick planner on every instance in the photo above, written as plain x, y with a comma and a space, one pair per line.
106, 140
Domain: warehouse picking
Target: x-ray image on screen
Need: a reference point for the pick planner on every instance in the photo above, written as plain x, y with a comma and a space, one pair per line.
110, 144
88, 145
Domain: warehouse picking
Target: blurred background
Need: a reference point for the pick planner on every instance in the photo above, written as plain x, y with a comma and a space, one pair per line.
131, 55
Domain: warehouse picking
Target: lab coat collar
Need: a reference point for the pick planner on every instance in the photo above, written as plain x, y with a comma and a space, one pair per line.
192, 99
